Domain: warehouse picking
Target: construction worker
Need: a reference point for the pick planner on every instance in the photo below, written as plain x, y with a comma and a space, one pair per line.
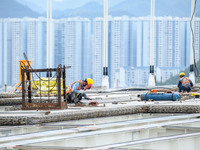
184, 83
75, 92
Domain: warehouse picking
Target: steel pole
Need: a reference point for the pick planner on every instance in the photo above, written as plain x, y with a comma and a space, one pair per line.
50, 38
192, 50
152, 45
105, 80
47, 34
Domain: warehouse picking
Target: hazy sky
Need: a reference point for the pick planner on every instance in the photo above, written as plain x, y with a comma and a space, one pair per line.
62, 4
137, 7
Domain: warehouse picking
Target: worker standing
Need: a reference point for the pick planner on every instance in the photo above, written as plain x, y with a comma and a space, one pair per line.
184, 83
76, 91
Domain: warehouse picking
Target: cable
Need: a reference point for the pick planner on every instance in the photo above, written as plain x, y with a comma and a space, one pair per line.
197, 71
59, 66
26, 58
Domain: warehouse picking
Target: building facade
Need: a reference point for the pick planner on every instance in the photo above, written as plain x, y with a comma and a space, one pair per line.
78, 42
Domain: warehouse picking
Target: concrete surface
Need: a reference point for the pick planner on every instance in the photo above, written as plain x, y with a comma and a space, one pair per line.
111, 103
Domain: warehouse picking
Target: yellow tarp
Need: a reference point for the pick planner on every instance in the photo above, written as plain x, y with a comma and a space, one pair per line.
45, 86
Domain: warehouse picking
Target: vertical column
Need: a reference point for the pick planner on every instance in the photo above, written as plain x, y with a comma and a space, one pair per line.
105, 80
59, 86
47, 34
50, 38
152, 46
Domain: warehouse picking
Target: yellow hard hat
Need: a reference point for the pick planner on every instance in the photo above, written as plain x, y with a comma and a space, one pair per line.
181, 74
89, 81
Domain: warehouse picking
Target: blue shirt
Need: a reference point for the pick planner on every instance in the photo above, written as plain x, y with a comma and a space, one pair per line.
75, 88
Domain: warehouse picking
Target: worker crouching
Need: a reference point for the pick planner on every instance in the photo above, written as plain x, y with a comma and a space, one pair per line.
184, 83
76, 91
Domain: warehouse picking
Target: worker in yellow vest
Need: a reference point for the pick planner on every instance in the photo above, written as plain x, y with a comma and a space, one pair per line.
184, 83
76, 91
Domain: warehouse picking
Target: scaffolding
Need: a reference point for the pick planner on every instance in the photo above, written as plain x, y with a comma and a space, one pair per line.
29, 103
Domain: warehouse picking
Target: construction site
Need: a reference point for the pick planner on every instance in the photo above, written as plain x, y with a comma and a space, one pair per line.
38, 116
40, 113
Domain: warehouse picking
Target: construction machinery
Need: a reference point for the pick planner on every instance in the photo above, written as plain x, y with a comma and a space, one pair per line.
22, 65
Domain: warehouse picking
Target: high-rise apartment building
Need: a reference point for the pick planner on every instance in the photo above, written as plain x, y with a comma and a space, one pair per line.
18, 29
36, 41
136, 76
119, 46
78, 42
60, 42
97, 51
197, 39
78, 51
4, 54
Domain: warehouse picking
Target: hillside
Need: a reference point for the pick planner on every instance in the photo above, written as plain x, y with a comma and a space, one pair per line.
89, 10
174, 80
13, 9
94, 8
131, 8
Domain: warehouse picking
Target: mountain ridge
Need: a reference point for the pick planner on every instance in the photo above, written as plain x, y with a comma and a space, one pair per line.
92, 9
13, 9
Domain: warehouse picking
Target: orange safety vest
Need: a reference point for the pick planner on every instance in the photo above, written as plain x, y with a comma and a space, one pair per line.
185, 80
70, 89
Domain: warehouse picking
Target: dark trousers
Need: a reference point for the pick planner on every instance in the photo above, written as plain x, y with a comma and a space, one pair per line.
188, 89
74, 97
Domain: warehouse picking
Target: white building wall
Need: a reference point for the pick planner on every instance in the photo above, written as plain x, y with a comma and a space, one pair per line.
97, 58
133, 42
18, 33
139, 44
169, 41
5, 54
86, 49
75, 50
115, 60
32, 32
124, 33
146, 44
160, 41
1, 53
60, 42
177, 41
69, 53
40, 40
197, 40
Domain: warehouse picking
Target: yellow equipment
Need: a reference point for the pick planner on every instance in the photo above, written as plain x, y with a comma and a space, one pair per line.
43, 86
22, 64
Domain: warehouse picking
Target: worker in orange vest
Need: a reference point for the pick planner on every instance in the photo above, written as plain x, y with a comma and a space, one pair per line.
184, 83
75, 94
